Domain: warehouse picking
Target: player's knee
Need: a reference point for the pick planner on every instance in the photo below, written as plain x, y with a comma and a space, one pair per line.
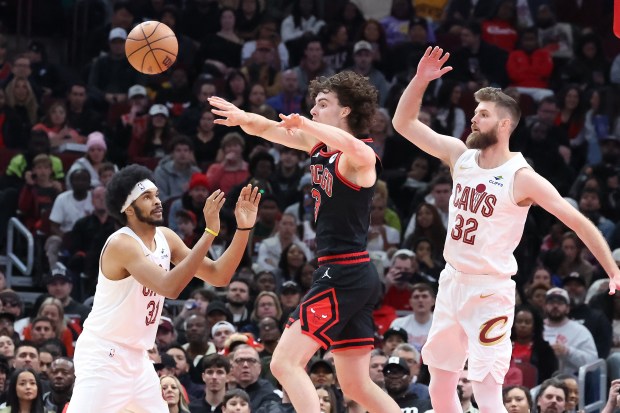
278, 366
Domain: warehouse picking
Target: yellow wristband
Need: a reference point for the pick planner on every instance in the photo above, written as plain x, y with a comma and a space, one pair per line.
210, 231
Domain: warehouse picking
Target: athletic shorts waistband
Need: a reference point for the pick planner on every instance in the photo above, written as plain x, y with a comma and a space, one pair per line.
350, 258
477, 279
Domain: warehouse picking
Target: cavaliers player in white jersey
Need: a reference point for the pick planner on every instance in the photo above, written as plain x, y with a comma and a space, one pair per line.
112, 369
492, 192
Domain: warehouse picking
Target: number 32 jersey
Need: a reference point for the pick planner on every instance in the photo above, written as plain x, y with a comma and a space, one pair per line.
485, 224
125, 311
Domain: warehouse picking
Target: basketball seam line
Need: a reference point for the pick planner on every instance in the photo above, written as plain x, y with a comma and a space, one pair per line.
151, 50
148, 44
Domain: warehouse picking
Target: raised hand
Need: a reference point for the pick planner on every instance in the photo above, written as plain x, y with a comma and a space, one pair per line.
211, 210
290, 122
430, 66
232, 115
247, 206
614, 284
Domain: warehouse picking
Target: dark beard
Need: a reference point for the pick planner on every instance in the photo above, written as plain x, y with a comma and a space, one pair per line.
556, 318
147, 219
481, 140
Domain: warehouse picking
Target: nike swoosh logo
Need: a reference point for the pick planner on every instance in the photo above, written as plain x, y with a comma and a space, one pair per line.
486, 295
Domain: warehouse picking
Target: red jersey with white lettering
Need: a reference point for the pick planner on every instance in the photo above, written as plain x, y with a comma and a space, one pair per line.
485, 224
341, 208
125, 311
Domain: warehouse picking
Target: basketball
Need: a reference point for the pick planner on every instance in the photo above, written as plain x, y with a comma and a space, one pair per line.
151, 47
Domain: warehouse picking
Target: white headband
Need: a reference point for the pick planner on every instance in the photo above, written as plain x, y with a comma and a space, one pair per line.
140, 188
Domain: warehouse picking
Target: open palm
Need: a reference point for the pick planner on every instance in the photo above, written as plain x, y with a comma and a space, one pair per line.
247, 206
430, 66
231, 115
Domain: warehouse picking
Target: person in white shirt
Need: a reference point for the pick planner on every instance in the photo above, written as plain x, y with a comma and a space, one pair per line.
270, 249
418, 324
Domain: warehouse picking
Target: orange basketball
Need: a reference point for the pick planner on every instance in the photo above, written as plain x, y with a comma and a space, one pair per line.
151, 47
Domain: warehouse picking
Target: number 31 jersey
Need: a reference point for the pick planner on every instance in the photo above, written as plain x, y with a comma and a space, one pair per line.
124, 311
485, 224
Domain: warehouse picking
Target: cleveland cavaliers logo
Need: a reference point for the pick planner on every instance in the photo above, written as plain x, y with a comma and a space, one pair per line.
489, 325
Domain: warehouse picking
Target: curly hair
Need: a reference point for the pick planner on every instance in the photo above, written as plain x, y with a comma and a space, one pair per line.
354, 91
121, 186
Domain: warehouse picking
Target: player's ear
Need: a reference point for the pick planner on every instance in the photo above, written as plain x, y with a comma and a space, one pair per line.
345, 111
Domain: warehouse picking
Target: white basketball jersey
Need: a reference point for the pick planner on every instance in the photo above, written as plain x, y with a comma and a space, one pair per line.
485, 224
125, 311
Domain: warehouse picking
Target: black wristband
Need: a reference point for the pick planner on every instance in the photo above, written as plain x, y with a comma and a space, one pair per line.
245, 229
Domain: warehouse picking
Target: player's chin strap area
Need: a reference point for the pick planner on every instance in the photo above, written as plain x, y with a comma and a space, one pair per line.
140, 188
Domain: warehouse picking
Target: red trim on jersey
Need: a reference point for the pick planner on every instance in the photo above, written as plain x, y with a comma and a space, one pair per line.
348, 258
326, 153
314, 322
314, 148
342, 178
340, 349
351, 344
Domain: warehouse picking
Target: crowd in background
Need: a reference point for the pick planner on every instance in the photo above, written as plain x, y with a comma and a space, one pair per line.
67, 127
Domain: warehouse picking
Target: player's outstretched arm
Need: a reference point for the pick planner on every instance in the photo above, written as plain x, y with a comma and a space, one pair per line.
533, 187
358, 154
259, 125
405, 120
129, 257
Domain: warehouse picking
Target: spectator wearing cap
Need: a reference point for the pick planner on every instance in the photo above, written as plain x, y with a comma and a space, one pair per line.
96, 150
322, 373
218, 311
165, 335
246, 370
290, 296
214, 371
131, 126
363, 65
271, 249
571, 342
86, 240
111, 75
97, 41
44, 73
173, 173
413, 359
397, 381
193, 200
60, 285
230, 169
166, 366
392, 338
418, 324
220, 333
68, 207
594, 320
156, 141
397, 280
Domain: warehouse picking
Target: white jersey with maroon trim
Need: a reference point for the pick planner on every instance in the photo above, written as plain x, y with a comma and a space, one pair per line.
485, 224
125, 311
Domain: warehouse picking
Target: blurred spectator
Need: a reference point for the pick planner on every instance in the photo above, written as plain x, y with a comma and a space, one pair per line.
311, 65
590, 67
396, 25
478, 63
173, 173
236, 87
418, 324
528, 344
263, 66
201, 18
214, 372
428, 225
220, 333
55, 124
336, 41
377, 362
156, 139
267, 304
249, 16
397, 381
131, 125
287, 175
290, 296
13, 131
573, 261
206, 140
111, 75
188, 48
288, 100
571, 342
301, 24
500, 29
230, 169
322, 373
221, 51
186, 226
613, 401
517, 399
292, 261
557, 37
373, 32
198, 344
381, 237
22, 69
594, 320
267, 30
246, 369
86, 240
551, 396
203, 89
173, 394
238, 300
122, 17
590, 206
96, 149
59, 285
192, 200
450, 118
64, 328
176, 93
106, 171
21, 98
362, 64
397, 280
45, 74
5, 65
439, 196
80, 116
68, 207
529, 66
36, 198
460, 12
271, 248
257, 102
